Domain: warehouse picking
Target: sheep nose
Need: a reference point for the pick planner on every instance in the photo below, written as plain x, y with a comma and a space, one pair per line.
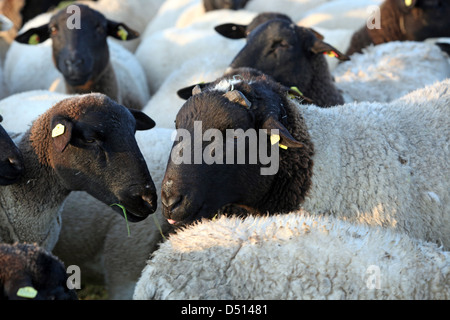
73, 63
170, 201
15, 163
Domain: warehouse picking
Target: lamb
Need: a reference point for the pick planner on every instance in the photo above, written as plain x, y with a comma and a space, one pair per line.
390, 70
85, 65
11, 161
404, 20
292, 55
80, 144
28, 272
293, 257
371, 163
96, 240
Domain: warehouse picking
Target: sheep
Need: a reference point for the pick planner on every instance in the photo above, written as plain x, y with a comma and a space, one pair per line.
404, 20
293, 257
292, 55
92, 65
79, 144
390, 70
28, 272
11, 161
376, 163
96, 240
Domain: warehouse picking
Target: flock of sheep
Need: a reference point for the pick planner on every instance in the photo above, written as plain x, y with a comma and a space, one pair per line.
359, 94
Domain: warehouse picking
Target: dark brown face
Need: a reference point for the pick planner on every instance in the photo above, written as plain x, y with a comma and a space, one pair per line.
224, 4
11, 162
98, 153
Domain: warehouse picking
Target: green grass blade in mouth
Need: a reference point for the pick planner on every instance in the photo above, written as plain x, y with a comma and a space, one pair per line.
124, 214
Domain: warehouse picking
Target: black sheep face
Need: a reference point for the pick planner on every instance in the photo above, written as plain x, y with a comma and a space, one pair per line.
11, 162
224, 4
425, 18
286, 52
194, 190
81, 53
96, 152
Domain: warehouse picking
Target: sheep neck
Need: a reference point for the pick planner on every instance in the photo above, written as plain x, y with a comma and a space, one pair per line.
30, 209
105, 83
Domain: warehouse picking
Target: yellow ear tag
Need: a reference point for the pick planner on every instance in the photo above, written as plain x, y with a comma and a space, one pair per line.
274, 138
58, 130
283, 147
34, 39
331, 54
122, 33
408, 3
27, 292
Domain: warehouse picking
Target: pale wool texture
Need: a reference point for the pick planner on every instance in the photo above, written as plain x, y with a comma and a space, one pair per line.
388, 71
294, 256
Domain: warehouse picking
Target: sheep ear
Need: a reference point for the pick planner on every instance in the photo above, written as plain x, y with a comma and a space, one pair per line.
61, 133
143, 121
20, 288
187, 92
34, 35
232, 31
121, 31
238, 97
317, 34
284, 138
445, 47
322, 47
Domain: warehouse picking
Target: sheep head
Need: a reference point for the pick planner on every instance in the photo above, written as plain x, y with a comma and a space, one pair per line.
89, 143
210, 5
81, 52
245, 117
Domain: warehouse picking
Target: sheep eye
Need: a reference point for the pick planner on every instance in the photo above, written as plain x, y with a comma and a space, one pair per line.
91, 140
53, 30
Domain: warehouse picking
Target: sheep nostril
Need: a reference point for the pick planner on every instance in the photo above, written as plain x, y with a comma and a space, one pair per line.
170, 202
15, 163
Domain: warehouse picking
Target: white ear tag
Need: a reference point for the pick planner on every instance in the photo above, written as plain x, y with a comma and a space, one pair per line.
58, 130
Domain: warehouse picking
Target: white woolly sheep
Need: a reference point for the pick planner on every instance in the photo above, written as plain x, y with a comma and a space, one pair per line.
294, 256
10, 23
96, 240
28, 272
380, 164
112, 70
391, 70
61, 154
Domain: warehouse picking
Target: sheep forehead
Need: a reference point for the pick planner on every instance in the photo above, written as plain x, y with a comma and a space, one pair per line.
86, 14
226, 85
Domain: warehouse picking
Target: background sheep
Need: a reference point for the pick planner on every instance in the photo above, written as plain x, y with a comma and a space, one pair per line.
390, 70
73, 147
28, 272
293, 256
377, 163
111, 70
9, 9
404, 20
11, 162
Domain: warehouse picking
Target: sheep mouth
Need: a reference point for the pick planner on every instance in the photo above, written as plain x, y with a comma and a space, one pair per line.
127, 214
7, 180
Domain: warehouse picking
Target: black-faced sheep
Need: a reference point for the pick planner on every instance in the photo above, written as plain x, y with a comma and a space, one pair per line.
224, 4
375, 163
292, 55
82, 54
11, 161
405, 20
28, 272
84, 143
